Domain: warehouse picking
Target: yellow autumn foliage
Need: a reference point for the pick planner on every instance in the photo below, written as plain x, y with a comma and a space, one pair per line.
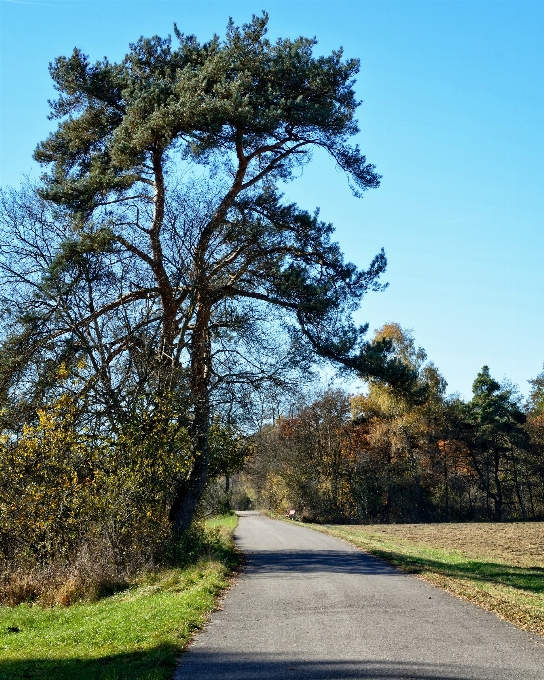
62, 488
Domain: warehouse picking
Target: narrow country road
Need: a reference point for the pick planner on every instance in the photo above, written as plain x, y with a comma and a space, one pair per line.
308, 605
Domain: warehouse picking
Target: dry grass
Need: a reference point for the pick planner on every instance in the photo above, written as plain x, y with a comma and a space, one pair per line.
95, 571
92, 574
137, 634
499, 567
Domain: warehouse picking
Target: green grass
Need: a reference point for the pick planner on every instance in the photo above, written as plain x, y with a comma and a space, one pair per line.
223, 522
513, 592
136, 634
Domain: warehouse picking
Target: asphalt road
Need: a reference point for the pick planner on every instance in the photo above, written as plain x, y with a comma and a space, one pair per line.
308, 605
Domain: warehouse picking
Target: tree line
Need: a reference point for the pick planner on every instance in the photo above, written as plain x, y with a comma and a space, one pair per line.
382, 456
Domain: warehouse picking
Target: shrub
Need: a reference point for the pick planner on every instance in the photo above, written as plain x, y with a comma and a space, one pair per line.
82, 512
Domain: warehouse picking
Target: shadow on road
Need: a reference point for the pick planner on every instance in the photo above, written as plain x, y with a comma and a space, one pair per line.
261, 667
530, 579
316, 561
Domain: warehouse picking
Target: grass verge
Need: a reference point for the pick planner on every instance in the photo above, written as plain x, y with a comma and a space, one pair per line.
137, 634
510, 587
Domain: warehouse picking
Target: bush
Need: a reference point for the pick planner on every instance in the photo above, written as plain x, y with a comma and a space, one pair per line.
82, 513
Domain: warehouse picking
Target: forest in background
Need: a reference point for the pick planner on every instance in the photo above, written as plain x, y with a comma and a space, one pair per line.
379, 457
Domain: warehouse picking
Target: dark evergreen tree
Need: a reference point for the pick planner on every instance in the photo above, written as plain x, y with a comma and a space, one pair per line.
496, 419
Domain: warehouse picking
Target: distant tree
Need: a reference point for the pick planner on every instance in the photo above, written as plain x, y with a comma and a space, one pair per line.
496, 418
535, 429
403, 430
159, 245
536, 396
375, 456
303, 461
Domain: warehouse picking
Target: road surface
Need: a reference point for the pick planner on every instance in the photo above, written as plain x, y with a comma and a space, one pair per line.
310, 606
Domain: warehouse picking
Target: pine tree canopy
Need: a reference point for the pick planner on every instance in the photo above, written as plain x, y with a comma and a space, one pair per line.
246, 100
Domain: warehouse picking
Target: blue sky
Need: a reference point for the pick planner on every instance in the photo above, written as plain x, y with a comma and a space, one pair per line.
452, 117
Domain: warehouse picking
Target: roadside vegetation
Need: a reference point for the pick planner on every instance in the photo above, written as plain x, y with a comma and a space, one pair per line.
137, 633
384, 457
499, 567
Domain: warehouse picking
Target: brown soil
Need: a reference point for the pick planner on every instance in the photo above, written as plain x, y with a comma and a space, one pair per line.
518, 543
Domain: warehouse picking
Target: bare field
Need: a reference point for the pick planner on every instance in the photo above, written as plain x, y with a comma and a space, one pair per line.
517, 543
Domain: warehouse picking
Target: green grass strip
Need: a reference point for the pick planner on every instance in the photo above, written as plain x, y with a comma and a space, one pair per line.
138, 634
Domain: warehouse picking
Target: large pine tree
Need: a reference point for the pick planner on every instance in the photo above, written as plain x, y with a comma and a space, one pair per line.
168, 237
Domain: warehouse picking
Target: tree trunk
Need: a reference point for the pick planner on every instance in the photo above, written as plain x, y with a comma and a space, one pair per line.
415, 477
518, 481
189, 493
498, 487
387, 508
446, 486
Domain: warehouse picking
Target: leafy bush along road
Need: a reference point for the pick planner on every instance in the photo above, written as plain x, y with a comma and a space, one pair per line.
136, 634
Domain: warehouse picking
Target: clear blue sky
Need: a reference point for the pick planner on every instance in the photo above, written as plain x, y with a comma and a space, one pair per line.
452, 117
